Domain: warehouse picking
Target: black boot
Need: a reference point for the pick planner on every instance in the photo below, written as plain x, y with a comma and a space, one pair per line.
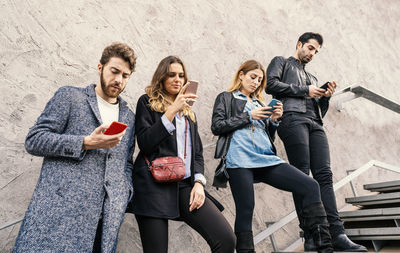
309, 244
317, 226
342, 243
308, 241
244, 242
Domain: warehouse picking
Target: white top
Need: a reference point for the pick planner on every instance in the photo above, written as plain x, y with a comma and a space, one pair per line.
108, 112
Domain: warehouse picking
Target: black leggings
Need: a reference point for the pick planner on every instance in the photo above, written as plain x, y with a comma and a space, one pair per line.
282, 176
208, 221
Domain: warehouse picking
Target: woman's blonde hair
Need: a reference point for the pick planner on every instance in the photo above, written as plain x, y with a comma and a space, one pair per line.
159, 98
247, 66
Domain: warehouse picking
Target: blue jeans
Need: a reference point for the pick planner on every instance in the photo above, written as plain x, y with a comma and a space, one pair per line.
307, 149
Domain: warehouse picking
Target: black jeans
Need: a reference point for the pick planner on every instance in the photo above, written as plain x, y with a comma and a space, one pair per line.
282, 176
208, 221
307, 149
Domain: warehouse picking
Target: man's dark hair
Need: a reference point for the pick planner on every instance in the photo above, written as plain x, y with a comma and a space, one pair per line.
121, 50
305, 37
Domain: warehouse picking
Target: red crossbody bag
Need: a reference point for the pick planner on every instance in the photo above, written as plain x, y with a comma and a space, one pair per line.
168, 168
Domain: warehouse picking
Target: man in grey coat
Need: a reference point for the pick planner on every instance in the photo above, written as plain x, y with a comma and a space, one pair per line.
85, 182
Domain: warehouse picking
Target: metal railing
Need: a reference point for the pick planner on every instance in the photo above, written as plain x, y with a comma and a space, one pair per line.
356, 91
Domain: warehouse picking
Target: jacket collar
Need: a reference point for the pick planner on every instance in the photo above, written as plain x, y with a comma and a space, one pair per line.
92, 99
239, 95
294, 60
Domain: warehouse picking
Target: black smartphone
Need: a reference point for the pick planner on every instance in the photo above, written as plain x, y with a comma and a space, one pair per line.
325, 86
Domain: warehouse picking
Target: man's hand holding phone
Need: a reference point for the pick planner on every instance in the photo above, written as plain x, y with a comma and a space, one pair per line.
115, 128
329, 88
315, 92
100, 139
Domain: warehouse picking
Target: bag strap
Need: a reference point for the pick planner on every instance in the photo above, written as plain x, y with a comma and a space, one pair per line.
147, 161
186, 129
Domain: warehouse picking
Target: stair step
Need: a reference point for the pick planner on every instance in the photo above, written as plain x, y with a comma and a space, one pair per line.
383, 198
371, 214
384, 186
358, 234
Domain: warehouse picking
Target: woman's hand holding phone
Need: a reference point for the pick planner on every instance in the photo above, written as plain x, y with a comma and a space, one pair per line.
277, 111
191, 89
260, 113
180, 102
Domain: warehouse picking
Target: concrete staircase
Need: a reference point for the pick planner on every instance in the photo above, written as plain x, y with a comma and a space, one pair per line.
377, 222
375, 219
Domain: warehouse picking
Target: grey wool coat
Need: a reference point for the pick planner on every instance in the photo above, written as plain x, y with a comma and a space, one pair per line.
75, 187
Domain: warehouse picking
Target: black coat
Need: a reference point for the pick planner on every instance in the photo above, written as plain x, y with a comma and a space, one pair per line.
223, 126
286, 81
159, 199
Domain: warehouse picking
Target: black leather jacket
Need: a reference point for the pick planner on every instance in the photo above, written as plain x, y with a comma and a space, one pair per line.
286, 81
224, 126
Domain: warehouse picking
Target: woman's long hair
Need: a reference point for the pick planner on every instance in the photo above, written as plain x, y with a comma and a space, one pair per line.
159, 98
247, 66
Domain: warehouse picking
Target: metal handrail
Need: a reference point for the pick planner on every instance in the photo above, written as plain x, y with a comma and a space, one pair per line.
356, 91
291, 216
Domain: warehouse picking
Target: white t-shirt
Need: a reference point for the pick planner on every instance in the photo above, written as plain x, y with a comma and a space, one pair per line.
108, 112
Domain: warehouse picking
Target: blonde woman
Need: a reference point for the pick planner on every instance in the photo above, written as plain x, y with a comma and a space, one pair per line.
164, 120
251, 155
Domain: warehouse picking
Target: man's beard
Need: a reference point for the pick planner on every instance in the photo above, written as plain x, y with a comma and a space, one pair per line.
105, 90
303, 58
304, 61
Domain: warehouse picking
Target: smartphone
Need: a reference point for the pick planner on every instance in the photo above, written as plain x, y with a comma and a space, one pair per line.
115, 128
325, 86
192, 89
273, 103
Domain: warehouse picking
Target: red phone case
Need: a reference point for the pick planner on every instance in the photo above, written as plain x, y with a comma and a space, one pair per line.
115, 128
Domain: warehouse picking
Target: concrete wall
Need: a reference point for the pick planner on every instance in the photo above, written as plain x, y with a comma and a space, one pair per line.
47, 44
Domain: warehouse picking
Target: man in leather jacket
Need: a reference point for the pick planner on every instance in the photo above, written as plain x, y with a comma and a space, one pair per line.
301, 129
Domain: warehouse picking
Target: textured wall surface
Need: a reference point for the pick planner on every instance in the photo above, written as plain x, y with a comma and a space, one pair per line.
47, 44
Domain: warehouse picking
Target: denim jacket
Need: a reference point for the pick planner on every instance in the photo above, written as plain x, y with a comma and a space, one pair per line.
223, 126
